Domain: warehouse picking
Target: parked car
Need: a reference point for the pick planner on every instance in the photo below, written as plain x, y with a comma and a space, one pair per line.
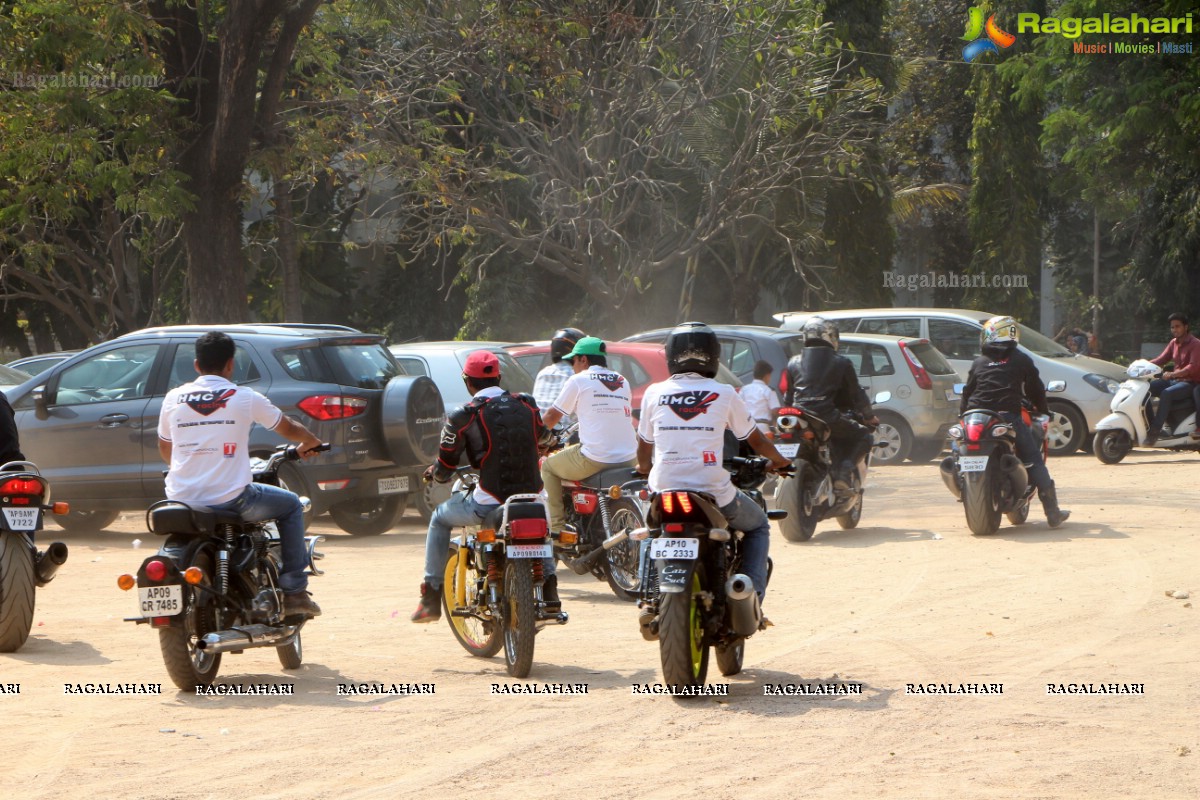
1090, 382
34, 365
443, 362
90, 423
642, 363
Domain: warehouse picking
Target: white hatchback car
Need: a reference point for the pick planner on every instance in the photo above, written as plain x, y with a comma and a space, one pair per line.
1090, 382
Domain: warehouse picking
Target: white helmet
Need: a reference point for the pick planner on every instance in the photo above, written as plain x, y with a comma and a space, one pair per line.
821, 328
999, 330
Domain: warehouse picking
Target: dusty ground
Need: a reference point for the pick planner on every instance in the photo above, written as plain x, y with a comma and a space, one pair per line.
908, 598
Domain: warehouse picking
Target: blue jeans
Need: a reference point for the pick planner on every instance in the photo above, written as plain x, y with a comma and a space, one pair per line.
458, 511
1029, 452
1168, 393
745, 515
259, 502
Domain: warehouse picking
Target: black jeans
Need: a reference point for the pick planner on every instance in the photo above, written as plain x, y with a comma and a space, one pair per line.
1028, 451
1168, 393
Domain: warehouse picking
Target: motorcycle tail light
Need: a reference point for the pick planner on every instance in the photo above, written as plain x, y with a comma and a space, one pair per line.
126, 582
644, 494
22, 486
193, 575
528, 528
808, 434
685, 502
486, 535
673, 527
668, 502
974, 431
160, 622
585, 502
156, 570
332, 406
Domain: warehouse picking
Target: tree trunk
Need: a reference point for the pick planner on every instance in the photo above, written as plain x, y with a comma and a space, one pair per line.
216, 278
285, 232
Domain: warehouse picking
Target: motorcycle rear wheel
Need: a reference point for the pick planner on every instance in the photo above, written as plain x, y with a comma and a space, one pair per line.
983, 516
16, 591
479, 638
291, 656
621, 562
681, 645
729, 657
188, 666
801, 521
519, 623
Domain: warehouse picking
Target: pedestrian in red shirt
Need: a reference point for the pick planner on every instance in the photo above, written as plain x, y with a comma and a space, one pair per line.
1183, 351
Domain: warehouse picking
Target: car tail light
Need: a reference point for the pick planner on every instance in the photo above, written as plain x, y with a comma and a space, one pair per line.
156, 570
332, 406
528, 528
585, 502
918, 372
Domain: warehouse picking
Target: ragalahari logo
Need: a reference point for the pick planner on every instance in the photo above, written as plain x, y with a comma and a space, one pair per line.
979, 43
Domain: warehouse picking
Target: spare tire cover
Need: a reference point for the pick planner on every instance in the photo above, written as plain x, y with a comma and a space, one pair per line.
412, 419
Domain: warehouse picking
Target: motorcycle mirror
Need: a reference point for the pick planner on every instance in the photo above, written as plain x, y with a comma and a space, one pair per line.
1056, 386
883, 397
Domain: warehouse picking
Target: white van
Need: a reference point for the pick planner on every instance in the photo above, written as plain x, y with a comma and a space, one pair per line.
1090, 382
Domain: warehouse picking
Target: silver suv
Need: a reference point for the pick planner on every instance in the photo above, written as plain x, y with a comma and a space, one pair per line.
90, 422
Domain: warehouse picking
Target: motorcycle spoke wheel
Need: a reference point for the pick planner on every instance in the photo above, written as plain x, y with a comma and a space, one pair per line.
621, 566
479, 637
681, 645
519, 623
187, 665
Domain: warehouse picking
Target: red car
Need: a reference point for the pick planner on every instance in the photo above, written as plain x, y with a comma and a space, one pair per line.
641, 364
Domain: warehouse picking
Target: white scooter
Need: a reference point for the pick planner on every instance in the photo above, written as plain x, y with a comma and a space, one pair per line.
1129, 421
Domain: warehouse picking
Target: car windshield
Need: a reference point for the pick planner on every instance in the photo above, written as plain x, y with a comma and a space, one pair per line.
1042, 345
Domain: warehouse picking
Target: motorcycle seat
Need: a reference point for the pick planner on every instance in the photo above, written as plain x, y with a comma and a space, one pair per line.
515, 511
171, 516
605, 478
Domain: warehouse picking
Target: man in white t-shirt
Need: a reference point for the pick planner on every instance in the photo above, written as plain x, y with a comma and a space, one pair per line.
204, 434
602, 400
760, 398
682, 432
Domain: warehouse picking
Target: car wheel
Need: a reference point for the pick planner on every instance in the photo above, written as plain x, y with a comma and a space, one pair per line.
369, 516
84, 520
896, 438
1067, 429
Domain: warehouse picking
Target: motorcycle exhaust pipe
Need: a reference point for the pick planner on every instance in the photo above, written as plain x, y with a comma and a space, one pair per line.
49, 562
584, 564
1011, 466
245, 637
946, 468
745, 614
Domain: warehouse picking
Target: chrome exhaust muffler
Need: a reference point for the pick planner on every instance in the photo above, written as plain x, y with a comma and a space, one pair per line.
584, 564
745, 614
246, 637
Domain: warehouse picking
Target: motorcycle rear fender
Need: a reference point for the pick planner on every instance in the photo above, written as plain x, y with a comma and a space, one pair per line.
1116, 422
674, 575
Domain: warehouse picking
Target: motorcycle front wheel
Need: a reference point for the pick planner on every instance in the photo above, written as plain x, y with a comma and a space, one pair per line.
621, 564
519, 623
16, 591
793, 495
481, 638
983, 515
1112, 446
187, 665
681, 645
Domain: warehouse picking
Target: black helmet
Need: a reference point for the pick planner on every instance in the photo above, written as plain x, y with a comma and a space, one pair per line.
693, 347
563, 342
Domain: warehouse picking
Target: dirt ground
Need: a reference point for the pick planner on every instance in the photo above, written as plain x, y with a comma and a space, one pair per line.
910, 597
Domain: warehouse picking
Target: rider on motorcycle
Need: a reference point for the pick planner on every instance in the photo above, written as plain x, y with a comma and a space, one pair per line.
204, 434
1184, 352
602, 400
552, 377
10, 442
825, 383
999, 380
500, 433
682, 433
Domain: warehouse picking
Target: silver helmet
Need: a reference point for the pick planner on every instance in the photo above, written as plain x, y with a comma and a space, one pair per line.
823, 329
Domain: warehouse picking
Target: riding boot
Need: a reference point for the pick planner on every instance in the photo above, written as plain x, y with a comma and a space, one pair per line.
430, 607
550, 593
1054, 515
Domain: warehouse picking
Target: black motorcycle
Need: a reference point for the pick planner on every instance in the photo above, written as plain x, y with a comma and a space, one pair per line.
984, 471
692, 593
24, 499
213, 587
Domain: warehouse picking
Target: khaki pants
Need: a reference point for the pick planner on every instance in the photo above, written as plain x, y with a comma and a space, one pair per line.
572, 465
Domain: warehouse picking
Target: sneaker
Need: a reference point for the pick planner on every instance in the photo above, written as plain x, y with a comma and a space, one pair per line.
1151, 438
430, 607
550, 594
300, 604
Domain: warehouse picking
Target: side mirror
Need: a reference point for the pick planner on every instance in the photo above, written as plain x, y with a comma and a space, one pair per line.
883, 397
1056, 386
41, 405
958, 388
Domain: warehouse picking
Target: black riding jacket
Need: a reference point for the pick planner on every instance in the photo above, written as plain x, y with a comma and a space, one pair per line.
1000, 378
10, 448
824, 382
500, 435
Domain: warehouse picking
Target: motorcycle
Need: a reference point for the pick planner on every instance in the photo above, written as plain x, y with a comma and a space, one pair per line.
984, 472
692, 594
213, 586
810, 496
492, 592
24, 499
1129, 421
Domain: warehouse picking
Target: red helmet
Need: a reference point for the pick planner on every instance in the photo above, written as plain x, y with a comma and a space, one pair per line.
563, 342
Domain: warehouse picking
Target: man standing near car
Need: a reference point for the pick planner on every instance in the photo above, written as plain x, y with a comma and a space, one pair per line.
204, 435
1184, 351
500, 433
760, 398
603, 402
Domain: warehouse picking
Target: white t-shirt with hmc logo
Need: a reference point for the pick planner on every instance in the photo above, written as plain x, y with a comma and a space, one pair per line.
685, 419
602, 401
208, 424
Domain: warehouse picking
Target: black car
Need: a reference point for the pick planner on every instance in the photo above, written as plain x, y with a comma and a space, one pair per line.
90, 423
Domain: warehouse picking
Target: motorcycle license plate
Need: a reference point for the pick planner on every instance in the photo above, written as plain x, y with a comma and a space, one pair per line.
22, 519
788, 450
393, 485
160, 601
675, 548
972, 463
529, 551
